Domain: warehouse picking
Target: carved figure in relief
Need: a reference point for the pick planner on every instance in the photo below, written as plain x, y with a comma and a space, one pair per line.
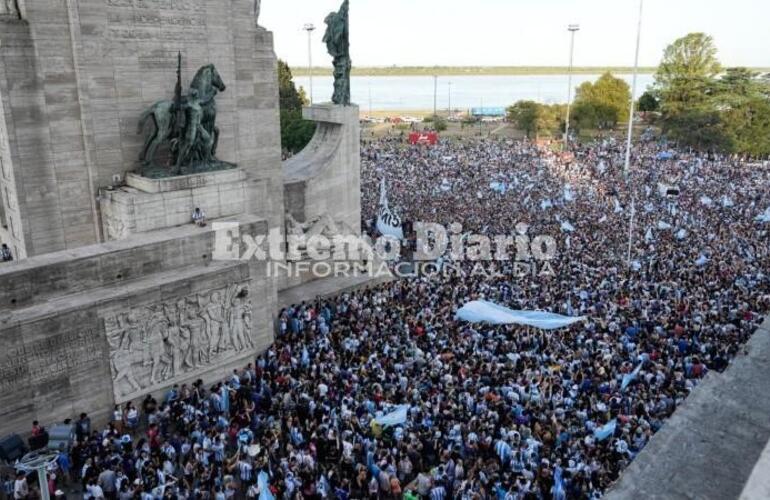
174, 342
216, 323
122, 351
155, 350
237, 327
247, 322
294, 227
11, 8
199, 352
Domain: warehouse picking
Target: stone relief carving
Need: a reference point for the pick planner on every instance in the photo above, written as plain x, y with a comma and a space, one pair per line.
10, 8
299, 234
323, 225
116, 229
153, 345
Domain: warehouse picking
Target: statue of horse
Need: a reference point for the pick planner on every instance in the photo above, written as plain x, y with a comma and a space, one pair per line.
208, 83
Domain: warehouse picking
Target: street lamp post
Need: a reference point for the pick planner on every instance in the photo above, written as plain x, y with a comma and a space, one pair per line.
309, 27
435, 95
38, 462
449, 86
627, 164
572, 28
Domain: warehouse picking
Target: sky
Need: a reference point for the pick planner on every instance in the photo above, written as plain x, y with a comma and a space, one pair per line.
519, 32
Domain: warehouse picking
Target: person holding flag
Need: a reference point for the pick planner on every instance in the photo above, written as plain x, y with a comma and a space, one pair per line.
388, 223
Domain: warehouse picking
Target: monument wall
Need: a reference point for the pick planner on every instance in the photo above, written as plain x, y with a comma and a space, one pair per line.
83, 330
75, 77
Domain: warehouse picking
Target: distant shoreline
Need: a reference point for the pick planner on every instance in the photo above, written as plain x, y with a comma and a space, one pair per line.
474, 70
482, 70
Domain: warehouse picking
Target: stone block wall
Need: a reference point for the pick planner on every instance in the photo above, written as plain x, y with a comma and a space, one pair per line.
83, 330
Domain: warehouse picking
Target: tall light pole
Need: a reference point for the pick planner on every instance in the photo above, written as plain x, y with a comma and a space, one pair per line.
435, 95
572, 28
449, 86
38, 462
309, 27
627, 164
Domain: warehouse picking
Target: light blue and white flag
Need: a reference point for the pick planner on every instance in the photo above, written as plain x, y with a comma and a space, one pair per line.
388, 223
568, 194
264, 487
395, 417
559, 491
482, 311
606, 430
499, 187
630, 377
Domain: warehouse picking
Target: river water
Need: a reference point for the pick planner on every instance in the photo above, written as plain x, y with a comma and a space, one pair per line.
383, 93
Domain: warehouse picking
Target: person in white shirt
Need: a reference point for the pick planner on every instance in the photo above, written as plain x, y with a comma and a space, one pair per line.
199, 217
93, 491
20, 487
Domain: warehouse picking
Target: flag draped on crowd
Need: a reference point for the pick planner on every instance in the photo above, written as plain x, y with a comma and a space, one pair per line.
388, 223
395, 417
606, 430
481, 311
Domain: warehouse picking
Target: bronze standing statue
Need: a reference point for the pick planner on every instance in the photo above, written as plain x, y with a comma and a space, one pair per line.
188, 125
337, 39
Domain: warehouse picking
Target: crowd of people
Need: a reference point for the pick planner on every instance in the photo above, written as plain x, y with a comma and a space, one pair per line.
380, 393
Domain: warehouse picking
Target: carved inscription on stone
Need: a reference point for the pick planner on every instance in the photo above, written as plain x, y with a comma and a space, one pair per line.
153, 346
47, 359
171, 20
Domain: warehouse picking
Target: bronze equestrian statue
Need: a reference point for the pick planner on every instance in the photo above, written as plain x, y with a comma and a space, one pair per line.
186, 124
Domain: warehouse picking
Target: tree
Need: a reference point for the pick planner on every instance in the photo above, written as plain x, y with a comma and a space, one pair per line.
601, 104
439, 124
648, 102
533, 118
743, 101
289, 96
685, 76
295, 131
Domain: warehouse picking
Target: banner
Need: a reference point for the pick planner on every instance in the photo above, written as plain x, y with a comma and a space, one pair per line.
481, 311
388, 223
430, 138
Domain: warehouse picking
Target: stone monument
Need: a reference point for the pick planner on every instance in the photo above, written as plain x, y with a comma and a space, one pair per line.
115, 293
75, 78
